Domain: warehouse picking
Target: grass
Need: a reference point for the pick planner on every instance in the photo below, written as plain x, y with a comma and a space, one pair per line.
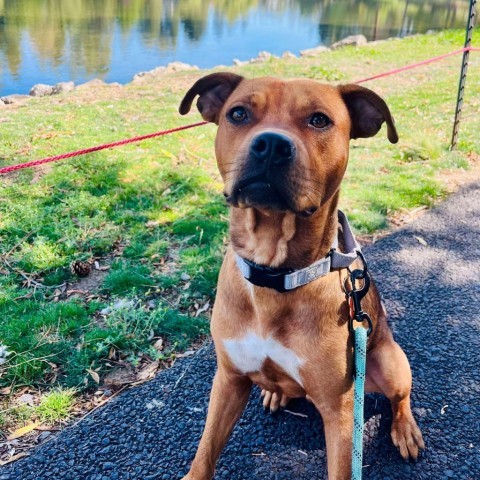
55, 405
152, 214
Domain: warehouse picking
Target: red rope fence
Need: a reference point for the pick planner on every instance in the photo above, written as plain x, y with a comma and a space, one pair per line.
35, 163
418, 64
12, 168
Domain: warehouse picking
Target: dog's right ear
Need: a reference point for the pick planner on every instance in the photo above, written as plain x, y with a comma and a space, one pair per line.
213, 90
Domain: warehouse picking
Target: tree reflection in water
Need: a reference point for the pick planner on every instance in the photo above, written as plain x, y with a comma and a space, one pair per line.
83, 38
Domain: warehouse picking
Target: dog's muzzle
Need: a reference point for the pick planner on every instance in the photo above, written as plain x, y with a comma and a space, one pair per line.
272, 150
264, 182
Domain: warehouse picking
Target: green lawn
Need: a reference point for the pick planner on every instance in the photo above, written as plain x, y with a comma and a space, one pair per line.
153, 212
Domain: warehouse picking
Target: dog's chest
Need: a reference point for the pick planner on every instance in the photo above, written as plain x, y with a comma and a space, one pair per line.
250, 353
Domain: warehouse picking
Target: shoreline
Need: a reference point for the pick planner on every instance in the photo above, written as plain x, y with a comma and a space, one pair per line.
40, 90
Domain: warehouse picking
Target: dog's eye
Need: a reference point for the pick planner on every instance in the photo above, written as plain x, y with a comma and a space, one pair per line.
319, 120
238, 114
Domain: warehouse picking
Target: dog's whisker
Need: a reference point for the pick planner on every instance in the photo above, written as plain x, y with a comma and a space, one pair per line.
310, 180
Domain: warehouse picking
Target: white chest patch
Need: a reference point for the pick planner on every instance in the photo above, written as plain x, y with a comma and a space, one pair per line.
249, 353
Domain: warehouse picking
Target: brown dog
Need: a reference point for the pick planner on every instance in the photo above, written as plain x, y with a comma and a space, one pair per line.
282, 149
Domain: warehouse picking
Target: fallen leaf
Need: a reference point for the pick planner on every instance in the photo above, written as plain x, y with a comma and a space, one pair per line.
421, 241
46, 428
20, 432
26, 399
148, 372
203, 309
95, 376
119, 377
152, 223
5, 391
188, 353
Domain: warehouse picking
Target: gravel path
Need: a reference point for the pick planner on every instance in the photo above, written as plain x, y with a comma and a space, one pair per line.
432, 293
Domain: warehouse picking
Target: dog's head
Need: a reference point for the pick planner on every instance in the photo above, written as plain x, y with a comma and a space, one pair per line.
283, 144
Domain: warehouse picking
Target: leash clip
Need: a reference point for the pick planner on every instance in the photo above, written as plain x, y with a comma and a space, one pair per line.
356, 294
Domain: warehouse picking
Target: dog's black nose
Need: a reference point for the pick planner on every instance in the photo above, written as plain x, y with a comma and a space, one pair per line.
273, 148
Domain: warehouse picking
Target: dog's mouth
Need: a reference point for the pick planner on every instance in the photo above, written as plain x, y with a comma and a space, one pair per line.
259, 192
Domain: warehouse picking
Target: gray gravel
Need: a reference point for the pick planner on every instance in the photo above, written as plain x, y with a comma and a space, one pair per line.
433, 295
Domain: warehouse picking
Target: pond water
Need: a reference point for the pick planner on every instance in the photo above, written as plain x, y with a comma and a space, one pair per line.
48, 41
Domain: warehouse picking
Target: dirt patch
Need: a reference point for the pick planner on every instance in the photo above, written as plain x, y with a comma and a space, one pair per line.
454, 179
88, 285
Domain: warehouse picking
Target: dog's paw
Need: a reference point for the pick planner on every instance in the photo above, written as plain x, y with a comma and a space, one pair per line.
272, 401
407, 437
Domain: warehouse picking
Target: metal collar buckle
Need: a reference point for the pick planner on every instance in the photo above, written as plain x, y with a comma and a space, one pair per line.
267, 277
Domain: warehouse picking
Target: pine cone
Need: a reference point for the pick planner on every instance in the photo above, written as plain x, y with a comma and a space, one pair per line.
82, 269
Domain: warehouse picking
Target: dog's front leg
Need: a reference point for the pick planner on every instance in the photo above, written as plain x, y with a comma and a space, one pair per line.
229, 396
338, 425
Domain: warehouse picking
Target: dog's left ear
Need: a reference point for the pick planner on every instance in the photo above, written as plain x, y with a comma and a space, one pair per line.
213, 90
367, 111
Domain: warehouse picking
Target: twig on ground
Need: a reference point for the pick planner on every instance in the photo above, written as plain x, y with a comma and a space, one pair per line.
38, 359
28, 235
296, 413
195, 357
30, 281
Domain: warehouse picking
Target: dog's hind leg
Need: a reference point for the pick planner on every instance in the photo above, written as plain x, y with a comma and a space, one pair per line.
228, 398
388, 372
272, 401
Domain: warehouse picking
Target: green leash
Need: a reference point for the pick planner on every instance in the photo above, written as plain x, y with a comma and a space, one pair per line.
359, 388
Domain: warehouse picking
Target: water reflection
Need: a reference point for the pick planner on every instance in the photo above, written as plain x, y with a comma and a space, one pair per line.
53, 40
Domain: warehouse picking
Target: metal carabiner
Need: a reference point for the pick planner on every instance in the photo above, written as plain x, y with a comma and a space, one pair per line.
361, 317
356, 295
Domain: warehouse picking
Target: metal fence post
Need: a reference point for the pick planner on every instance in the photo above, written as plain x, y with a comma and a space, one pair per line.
463, 73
